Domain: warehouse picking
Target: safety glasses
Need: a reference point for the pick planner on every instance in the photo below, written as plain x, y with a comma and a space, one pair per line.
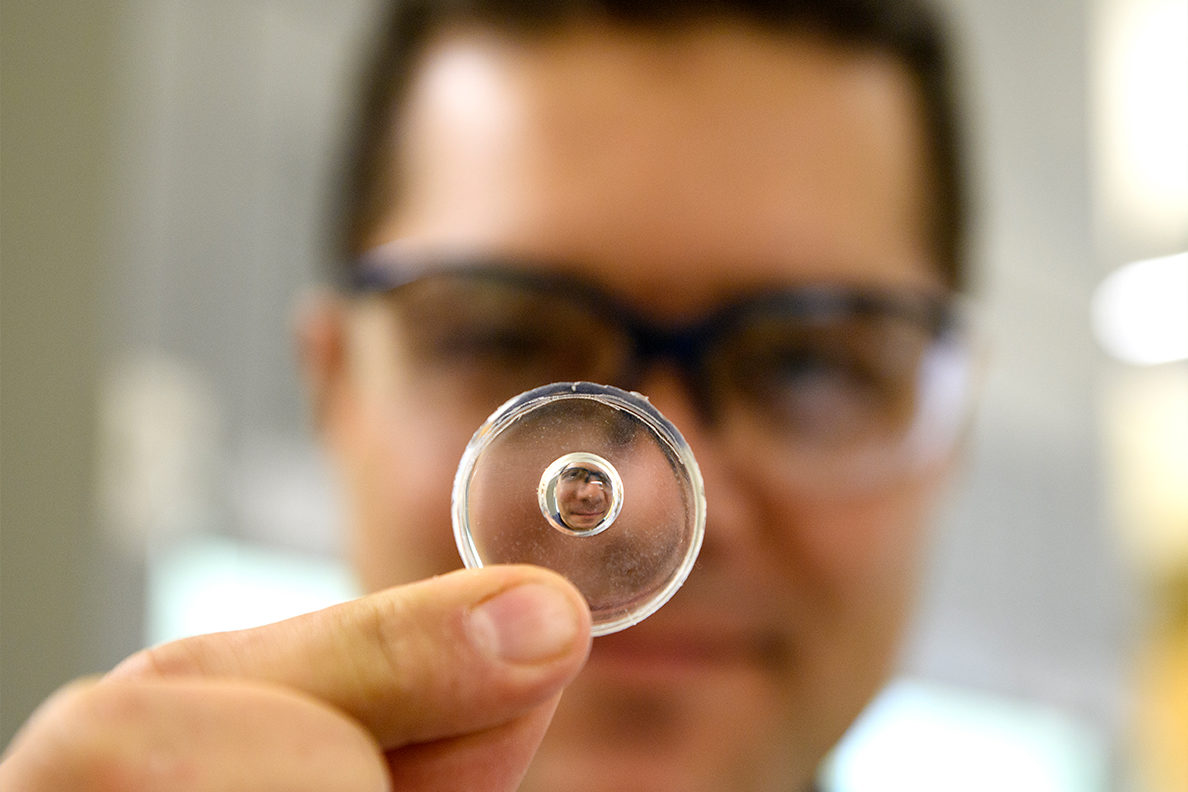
840, 386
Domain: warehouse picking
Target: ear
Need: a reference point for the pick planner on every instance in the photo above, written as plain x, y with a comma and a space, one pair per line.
320, 327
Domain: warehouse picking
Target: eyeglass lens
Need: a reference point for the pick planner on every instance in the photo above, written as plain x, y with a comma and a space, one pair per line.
827, 385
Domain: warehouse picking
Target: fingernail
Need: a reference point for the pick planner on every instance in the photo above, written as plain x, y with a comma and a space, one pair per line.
530, 623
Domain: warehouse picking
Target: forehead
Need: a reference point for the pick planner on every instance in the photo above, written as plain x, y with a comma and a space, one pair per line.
715, 157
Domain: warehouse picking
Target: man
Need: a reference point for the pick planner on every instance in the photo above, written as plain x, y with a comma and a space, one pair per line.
582, 497
753, 207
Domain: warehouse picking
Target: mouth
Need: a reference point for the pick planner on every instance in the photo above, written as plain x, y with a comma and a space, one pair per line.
643, 651
584, 516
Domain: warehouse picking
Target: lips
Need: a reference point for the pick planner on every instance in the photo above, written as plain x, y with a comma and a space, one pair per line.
584, 517
676, 650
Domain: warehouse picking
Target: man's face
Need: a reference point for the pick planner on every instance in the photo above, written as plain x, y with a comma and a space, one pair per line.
582, 497
674, 172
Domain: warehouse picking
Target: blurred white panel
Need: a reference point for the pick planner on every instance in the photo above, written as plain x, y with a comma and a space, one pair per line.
158, 452
209, 584
1141, 118
919, 737
1145, 420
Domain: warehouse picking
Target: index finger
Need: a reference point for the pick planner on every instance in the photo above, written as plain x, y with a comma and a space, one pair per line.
439, 658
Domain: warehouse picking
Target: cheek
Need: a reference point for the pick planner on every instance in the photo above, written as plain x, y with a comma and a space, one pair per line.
865, 545
400, 465
854, 567
851, 565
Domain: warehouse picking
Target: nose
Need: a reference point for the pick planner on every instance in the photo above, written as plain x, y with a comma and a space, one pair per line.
589, 491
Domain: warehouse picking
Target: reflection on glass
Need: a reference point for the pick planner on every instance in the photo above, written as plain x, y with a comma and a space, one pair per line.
582, 498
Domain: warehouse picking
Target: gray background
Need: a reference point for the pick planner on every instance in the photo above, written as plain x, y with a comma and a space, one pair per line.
164, 171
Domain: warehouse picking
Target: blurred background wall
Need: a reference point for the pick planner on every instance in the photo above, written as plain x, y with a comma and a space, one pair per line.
164, 176
60, 105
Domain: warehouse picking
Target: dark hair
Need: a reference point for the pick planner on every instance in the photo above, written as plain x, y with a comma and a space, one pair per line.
907, 30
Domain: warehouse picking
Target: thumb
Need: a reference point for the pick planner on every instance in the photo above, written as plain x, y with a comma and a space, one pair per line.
432, 660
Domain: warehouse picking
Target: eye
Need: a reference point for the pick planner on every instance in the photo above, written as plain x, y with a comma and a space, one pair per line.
799, 372
489, 339
823, 399
825, 383
796, 367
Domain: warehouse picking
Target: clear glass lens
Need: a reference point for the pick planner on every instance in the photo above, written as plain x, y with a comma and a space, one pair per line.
909, 428
592, 482
497, 338
836, 384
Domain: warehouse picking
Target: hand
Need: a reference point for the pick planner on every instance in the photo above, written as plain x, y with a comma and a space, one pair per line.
448, 683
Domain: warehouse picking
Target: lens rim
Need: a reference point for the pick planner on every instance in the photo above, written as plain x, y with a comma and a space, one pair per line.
546, 492
636, 405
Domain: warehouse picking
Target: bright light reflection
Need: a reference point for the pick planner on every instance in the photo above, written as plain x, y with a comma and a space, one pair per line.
1140, 311
1143, 112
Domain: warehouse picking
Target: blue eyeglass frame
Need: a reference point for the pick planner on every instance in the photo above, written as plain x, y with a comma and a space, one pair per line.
685, 345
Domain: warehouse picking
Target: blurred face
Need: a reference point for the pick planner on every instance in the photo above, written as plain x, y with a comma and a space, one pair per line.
674, 173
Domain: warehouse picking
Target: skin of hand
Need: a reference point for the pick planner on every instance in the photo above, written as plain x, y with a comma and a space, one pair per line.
447, 683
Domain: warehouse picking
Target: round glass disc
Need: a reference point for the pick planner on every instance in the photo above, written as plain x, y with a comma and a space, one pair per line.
592, 482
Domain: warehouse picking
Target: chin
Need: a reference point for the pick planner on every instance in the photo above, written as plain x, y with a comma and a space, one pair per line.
641, 718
